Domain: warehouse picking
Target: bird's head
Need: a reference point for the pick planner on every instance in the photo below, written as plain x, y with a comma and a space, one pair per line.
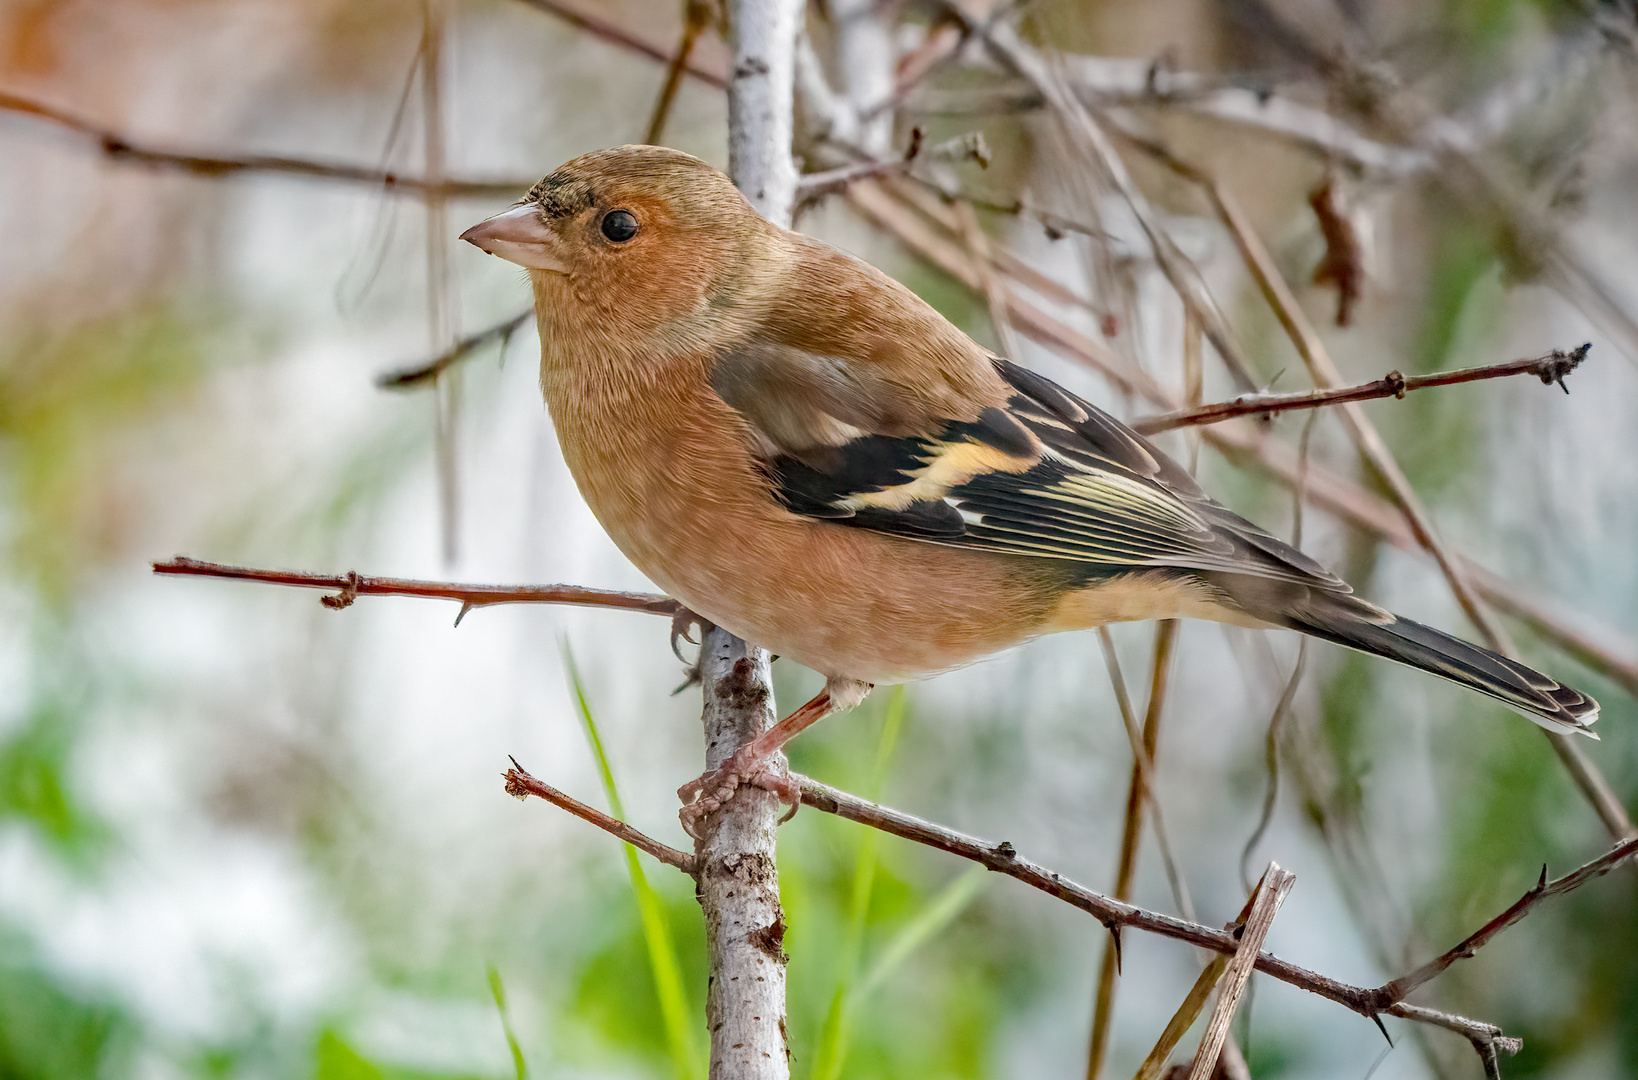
635, 240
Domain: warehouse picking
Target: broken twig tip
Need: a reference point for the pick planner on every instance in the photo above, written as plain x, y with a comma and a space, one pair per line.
344, 598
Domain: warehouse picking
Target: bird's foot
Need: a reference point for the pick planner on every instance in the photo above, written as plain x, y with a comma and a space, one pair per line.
712, 790
682, 621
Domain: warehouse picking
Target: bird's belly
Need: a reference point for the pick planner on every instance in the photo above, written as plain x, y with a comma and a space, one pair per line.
845, 601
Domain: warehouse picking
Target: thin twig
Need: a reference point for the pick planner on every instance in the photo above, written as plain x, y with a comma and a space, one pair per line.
1401, 987
696, 17
1003, 858
120, 148
1137, 790
615, 34
1550, 368
1194, 1002
429, 370
1143, 761
520, 784
351, 585
968, 147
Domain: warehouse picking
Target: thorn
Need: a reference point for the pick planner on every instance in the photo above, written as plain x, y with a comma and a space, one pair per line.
1114, 935
1383, 1028
466, 606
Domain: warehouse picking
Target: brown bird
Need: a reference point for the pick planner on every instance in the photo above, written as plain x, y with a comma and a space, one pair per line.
804, 452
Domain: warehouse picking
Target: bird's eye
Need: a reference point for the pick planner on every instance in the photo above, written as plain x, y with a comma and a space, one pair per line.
619, 225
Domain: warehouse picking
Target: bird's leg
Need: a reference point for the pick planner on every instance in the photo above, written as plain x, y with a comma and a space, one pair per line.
749, 764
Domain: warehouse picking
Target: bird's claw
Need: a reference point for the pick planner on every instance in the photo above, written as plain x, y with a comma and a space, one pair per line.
712, 790
682, 620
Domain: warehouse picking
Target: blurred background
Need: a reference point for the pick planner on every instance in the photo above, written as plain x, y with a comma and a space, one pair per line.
245, 836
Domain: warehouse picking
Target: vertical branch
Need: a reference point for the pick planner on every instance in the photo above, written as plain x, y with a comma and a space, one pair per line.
738, 875
738, 879
761, 92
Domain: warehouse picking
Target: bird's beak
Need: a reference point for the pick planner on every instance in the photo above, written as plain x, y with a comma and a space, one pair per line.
519, 236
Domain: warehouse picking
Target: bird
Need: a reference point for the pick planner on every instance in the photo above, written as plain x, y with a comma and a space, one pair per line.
801, 450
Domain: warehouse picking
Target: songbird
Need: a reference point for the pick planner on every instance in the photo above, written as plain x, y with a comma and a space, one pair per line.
804, 452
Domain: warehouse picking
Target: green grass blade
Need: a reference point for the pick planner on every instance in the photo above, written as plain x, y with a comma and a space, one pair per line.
497, 989
833, 1037
935, 917
682, 1034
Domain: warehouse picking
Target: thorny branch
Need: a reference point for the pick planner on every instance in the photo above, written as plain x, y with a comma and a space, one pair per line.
1003, 858
1402, 986
972, 146
351, 585
521, 785
1550, 369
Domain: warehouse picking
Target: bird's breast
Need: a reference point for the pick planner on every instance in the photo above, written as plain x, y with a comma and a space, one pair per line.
669, 472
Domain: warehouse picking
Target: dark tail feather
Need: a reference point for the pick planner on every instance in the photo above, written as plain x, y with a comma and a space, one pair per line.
1351, 622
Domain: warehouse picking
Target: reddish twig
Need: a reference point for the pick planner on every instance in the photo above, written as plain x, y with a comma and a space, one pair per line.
1550, 368
521, 785
351, 585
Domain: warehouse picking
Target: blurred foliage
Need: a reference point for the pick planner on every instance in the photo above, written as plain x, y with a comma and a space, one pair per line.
47, 1030
70, 402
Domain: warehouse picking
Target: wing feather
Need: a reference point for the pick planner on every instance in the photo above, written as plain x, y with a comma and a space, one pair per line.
1041, 473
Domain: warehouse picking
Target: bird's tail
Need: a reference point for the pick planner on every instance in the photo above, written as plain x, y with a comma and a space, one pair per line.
1346, 620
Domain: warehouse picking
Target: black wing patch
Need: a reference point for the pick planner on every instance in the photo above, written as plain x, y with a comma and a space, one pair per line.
1050, 476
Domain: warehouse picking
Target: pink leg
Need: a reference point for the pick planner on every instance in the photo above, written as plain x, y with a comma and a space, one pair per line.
749, 765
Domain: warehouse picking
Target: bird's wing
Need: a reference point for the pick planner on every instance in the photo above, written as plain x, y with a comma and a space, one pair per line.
1039, 473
